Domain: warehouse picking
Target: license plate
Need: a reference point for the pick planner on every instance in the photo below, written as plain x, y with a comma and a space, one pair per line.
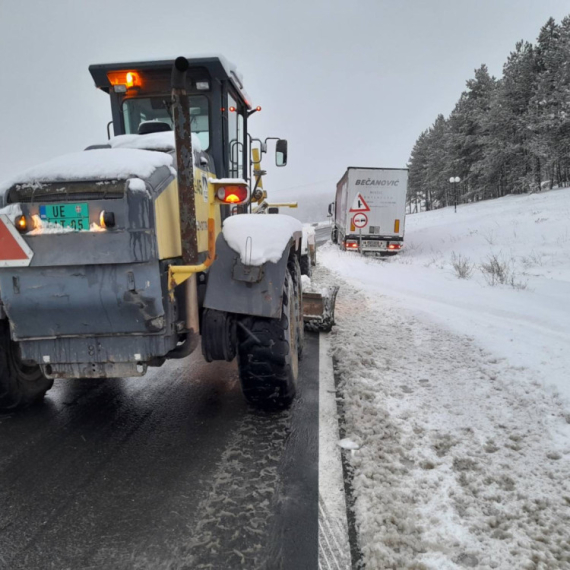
376, 244
75, 216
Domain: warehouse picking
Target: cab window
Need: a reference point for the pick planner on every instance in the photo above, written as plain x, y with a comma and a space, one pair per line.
141, 109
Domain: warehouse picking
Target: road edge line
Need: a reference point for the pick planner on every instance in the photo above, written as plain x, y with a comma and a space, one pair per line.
334, 541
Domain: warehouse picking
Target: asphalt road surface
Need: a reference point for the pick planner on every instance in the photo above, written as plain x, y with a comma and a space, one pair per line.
170, 471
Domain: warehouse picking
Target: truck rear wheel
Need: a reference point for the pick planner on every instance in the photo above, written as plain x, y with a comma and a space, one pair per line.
334, 236
21, 384
268, 360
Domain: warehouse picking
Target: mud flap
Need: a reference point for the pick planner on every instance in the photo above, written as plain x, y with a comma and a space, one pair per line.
318, 309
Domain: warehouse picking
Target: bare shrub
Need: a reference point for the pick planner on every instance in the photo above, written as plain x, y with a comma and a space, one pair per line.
516, 283
462, 266
497, 271
532, 259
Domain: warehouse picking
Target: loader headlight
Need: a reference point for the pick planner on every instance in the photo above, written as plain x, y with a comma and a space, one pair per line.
107, 219
22, 224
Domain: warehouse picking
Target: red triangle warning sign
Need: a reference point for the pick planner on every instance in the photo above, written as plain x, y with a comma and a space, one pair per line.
14, 251
359, 204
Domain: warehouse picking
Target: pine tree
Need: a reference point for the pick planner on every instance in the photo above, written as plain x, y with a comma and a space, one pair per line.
507, 159
544, 109
436, 171
468, 137
417, 188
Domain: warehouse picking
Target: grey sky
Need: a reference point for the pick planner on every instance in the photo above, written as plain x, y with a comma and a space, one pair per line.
347, 83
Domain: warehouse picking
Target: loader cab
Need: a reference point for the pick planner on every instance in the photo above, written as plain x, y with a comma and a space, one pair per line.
140, 95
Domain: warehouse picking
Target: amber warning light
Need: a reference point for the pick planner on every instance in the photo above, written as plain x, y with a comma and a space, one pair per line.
129, 79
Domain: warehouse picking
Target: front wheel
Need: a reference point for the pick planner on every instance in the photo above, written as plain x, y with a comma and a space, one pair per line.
21, 383
268, 359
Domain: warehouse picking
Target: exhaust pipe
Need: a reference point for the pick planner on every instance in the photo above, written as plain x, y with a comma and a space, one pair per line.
186, 197
177, 274
185, 162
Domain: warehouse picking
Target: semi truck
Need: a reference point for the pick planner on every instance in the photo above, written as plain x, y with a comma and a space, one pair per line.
141, 249
369, 210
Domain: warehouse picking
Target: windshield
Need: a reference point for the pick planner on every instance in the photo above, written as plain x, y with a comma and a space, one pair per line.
141, 109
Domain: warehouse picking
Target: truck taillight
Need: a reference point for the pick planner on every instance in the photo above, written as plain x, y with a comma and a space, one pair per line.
394, 246
351, 244
232, 194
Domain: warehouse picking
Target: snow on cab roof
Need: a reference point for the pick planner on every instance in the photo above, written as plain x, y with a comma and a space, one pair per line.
99, 164
163, 141
247, 235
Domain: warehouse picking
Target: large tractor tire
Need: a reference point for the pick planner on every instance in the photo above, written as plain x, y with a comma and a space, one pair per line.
21, 384
268, 360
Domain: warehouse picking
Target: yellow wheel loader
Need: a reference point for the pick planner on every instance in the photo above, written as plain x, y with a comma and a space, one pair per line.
114, 259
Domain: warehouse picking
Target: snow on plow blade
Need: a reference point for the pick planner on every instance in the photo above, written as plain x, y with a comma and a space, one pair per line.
318, 309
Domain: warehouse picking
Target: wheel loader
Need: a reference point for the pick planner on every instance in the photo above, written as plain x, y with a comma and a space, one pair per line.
114, 259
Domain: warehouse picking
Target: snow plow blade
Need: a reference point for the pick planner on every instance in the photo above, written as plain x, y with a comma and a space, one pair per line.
318, 310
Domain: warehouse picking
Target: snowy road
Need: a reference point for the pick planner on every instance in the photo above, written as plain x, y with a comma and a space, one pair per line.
456, 389
169, 471
463, 462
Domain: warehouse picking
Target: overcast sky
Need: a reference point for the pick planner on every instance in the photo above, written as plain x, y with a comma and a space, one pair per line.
348, 83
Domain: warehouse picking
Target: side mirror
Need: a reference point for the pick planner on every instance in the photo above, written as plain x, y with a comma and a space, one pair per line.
331, 208
281, 152
273, 210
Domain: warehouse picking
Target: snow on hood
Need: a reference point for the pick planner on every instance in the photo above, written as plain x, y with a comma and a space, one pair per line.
153, 141
100, 164
258, 238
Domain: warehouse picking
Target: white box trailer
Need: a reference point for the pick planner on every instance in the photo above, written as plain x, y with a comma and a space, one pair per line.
370, 210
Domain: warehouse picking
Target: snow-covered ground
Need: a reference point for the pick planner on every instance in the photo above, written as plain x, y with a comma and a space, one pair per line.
458, 391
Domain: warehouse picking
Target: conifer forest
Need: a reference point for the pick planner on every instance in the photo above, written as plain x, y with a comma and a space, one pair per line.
504, 136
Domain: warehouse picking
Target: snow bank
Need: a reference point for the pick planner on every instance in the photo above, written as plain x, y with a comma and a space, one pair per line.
459, 459
100, 164
163, 141
259, 238
527, 319
457, 390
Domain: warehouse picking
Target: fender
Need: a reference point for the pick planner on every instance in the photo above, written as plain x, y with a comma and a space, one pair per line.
245, 289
